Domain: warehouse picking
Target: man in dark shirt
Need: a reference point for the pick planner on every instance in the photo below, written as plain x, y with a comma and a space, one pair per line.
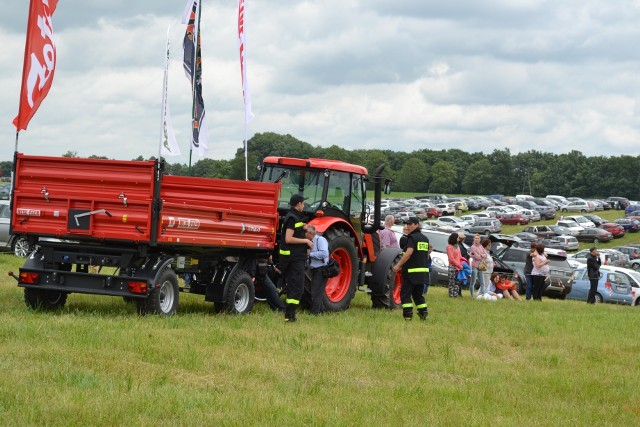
293, 254
415, 270
593, 271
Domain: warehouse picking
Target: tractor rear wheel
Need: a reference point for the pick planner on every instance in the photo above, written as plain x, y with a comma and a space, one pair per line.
341, 289
385, 284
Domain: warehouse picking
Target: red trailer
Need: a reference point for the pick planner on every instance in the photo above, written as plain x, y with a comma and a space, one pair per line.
90, 214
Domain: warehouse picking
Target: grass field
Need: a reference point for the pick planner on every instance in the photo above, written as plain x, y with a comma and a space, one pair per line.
500, 363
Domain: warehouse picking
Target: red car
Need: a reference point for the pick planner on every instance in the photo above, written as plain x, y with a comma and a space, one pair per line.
513, 218
616, 229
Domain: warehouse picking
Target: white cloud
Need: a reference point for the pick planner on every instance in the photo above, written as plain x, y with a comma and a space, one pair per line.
402, 75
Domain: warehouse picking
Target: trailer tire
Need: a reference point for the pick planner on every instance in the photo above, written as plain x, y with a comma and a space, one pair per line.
39, 299
240, 295
385, 284
163, 298
340, 290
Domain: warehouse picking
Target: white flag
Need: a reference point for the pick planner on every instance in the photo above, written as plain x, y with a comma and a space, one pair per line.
168, 144
248, 114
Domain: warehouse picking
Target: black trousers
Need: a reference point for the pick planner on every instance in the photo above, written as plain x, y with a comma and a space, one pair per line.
409, 291
593, 288
318, 291
538, 286
293, 278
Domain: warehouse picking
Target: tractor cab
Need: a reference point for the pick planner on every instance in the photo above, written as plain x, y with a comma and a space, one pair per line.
331, 188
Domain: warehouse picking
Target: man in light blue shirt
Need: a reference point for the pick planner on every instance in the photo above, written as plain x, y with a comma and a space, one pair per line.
318, 257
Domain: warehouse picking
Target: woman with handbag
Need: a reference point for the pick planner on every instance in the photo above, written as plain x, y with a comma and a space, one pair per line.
478, 264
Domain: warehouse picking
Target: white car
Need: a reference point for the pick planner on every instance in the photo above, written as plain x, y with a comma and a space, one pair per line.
533, 215
571, 242
573, 226
454, 221
581, 220
447, 208
483, 215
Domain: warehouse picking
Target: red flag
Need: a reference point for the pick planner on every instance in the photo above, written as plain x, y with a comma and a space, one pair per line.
39, 60
248, 114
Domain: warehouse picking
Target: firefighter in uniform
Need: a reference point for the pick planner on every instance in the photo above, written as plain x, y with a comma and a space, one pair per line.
293, 255
415, 270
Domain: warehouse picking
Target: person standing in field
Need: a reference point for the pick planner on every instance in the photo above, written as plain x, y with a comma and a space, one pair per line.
539, 272
318, 258
388, 238
528, 267
415, 270
293, 255
477, 254
593, 271
455, 264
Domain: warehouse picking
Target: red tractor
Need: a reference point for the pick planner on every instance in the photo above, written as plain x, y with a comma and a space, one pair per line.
336, 205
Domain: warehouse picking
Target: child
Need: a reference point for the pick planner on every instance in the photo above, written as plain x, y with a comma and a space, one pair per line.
505, 286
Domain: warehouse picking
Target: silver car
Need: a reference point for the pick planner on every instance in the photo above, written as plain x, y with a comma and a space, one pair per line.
19, 245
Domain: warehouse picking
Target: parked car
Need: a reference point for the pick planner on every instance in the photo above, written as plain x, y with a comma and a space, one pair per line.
540, 230
630, 225
560, 230
615, 285
570, 241
577, 206
554, 244
595, 219
635, 294
439, 271
532, 214
19, 245
515, 256
5, 191
514, 218
595, 235
469, 219
461, 205
581, 220
607, 257
633, 252
402, 216
618, 202
483, 215
472, 204
453, 221
573, 226
615, 229
528, 237
486, 226
447, 208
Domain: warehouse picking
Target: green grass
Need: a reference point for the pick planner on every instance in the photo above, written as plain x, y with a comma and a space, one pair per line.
472, 363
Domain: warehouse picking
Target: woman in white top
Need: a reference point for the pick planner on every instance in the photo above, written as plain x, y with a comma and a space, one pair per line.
540, 271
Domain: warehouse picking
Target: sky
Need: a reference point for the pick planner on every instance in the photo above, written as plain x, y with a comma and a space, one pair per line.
546, 75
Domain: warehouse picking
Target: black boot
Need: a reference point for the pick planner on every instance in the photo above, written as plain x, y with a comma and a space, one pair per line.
290, 313
423, 313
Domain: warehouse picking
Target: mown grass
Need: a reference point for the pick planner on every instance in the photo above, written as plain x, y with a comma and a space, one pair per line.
472, 363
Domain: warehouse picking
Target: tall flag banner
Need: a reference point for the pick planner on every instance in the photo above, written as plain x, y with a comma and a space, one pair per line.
39, 61
248, 114
168, 144
193, 69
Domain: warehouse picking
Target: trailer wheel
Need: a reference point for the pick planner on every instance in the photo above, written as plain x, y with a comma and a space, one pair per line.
341, 289
240, 294
39, 299
163, 299
385, 285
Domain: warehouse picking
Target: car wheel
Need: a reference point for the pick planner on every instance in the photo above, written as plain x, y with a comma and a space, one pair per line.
487, 232
565, 210
583, 210
635, 266
21, 247
518, 223
596, 240
598, 298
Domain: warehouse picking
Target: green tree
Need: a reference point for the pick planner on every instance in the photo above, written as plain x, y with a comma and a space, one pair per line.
443, 177
211, 168
413, 176
476, 179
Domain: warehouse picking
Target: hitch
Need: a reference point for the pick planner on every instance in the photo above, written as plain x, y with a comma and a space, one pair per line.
10, 274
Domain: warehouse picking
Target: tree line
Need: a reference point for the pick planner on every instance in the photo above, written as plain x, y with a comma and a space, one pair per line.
449, 171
